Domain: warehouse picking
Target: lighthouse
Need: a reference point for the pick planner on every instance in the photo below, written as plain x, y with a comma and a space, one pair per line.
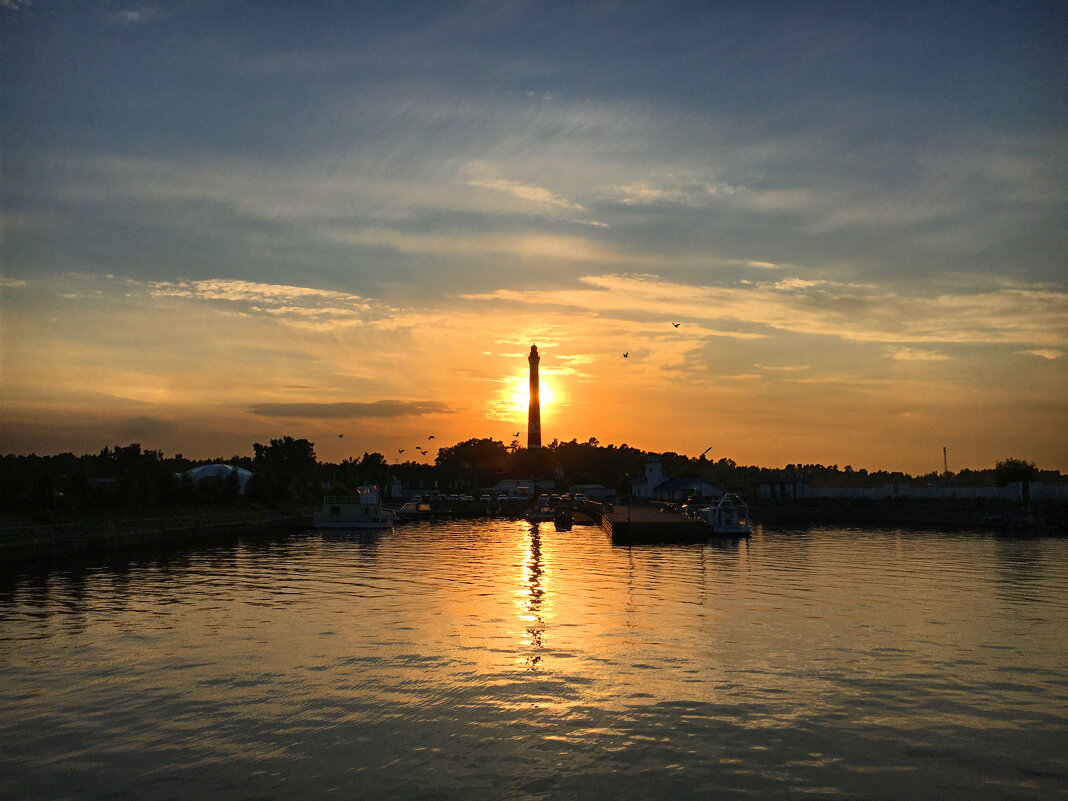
534, 411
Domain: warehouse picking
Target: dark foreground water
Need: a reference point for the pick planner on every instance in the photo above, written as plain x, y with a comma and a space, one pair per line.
495, 660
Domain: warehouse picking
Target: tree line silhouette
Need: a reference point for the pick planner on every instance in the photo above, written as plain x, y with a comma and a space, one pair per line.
286, 472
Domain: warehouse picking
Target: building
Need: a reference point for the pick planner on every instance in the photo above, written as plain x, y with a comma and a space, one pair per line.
534, 409
220, 473
595, 492
782, 484
522, 487
655, 485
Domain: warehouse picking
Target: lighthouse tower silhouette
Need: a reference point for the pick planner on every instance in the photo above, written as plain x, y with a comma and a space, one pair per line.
534, 411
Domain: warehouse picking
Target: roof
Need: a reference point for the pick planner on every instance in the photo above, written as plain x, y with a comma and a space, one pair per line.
219, 471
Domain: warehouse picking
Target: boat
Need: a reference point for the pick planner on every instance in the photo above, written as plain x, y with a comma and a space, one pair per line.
354, 512
728, 516
562, 518
539, 512
416, 510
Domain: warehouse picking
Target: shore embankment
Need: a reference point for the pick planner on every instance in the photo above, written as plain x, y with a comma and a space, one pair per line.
1040, 517
32, 543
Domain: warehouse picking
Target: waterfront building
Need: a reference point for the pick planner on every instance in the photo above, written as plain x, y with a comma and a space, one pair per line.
654, 484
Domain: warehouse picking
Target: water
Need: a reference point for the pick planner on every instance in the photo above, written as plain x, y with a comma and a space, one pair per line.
494, 660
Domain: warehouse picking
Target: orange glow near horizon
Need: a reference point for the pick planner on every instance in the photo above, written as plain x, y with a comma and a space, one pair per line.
198, 378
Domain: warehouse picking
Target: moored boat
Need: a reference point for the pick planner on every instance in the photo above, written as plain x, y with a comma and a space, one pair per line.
562, 518
354, 512
416, 510
728, 516
539, 512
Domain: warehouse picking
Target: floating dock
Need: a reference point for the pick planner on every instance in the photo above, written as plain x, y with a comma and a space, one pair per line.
640, 524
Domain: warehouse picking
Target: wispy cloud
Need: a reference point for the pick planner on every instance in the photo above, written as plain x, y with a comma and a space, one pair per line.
669, 192
486, 176
853, 312
531, 245
306, 307
350, 411
1045, 353
917, 355
136, 16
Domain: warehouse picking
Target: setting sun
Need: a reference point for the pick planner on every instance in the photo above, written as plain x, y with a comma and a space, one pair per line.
521, 396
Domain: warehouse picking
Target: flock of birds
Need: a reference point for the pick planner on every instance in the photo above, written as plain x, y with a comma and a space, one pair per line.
423, 451
626, 355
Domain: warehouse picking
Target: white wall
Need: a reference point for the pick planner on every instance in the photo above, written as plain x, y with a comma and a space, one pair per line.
1010, 492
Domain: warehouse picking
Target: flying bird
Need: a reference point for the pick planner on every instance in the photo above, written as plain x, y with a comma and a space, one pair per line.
341, 435
626, 355
431, 437
400, 450
676, 324
516, 434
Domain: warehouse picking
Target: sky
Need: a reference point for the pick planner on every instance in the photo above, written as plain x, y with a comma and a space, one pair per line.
227, 222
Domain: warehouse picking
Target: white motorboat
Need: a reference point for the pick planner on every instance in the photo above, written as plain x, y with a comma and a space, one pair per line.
729, 516
416, 510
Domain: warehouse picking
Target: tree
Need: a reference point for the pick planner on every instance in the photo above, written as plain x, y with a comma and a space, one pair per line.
287, 469
474, 461
1011, 470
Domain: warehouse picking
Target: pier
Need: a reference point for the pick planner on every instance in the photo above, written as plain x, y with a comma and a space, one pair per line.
641, 524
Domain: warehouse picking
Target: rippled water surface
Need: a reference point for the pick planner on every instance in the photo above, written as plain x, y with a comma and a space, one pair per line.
496, 660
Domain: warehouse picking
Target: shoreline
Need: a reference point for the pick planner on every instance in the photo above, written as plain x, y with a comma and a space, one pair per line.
1037, 517
37, 543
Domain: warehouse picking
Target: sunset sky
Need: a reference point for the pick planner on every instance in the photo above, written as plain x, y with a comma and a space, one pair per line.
228, 222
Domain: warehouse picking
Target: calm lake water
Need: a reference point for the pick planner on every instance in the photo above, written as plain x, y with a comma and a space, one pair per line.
497, 660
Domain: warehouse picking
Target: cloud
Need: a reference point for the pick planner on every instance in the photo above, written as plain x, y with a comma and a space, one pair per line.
914, 355
142, 428
1045, 353
692, 191
522, 245
354, 411
305, 307
485, 177
863, 313
237, 290
136, 16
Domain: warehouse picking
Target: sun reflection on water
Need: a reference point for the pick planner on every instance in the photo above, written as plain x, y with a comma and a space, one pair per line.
534, 607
